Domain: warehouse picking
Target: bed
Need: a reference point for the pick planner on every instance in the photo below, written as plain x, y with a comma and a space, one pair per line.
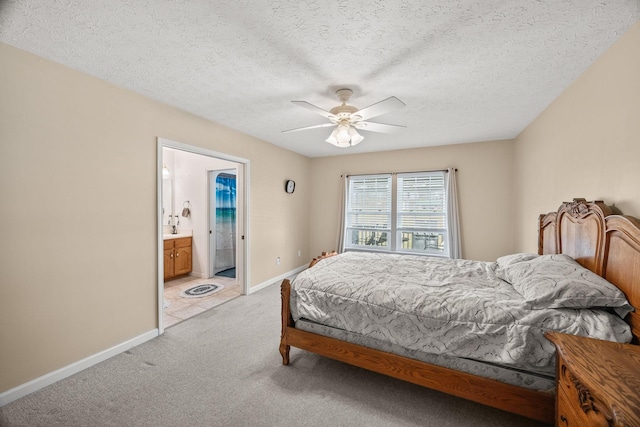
604, 242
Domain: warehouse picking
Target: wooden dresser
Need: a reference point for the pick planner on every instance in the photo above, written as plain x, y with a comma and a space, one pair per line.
597, 382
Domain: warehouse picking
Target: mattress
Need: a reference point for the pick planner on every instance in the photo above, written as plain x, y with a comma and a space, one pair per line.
530, 380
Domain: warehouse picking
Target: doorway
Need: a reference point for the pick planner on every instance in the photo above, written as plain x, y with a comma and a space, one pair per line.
222, 223
184, 217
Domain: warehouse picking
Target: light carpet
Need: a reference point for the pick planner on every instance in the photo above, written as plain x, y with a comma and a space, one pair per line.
223, 368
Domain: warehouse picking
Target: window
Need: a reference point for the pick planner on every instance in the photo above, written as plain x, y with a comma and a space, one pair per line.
421, 213
368, 216
403, 212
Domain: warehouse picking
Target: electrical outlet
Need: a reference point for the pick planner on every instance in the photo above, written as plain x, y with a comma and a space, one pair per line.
278, 261
299, 252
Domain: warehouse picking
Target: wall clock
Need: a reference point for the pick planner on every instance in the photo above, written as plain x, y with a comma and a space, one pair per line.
290, 186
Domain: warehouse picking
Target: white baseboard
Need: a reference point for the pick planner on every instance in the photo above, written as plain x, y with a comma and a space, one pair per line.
278, 279
50, 378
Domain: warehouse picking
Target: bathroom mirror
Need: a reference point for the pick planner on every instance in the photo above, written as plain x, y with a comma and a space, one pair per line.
167, 201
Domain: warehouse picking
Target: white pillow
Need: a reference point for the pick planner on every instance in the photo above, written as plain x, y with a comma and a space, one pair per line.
507, 260
558, 281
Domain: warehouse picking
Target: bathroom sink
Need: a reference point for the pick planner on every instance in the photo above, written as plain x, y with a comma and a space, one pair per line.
175, 236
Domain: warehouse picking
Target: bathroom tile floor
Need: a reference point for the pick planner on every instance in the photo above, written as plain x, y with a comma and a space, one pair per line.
180, 308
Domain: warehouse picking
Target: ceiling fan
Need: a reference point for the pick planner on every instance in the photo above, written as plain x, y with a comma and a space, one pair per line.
347, 119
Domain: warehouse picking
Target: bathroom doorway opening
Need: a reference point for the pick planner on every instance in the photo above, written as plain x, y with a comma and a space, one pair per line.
202, 204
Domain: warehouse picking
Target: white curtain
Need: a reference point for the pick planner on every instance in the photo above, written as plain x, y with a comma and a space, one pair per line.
455, 248
343, 206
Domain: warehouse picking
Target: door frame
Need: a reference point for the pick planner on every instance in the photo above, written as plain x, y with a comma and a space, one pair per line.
243, 235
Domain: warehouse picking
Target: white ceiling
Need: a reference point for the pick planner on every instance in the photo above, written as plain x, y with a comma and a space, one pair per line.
467, 70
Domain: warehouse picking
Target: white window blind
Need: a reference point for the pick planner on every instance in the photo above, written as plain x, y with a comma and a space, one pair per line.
368, 211
421, 213
397, 212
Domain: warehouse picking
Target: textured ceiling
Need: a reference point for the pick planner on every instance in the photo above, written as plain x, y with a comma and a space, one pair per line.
467, 70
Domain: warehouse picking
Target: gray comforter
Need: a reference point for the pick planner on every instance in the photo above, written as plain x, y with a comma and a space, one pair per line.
458, 308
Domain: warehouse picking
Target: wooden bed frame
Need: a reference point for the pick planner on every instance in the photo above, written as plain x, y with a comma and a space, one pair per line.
590, 232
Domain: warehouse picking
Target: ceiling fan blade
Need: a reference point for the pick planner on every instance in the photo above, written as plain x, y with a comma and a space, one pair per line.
313, 108
324, 125
378, 127
382, 107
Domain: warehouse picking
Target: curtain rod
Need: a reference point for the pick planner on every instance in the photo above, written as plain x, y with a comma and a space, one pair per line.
395, 173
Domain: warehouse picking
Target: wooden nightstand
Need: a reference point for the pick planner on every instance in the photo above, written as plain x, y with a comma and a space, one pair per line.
597, 382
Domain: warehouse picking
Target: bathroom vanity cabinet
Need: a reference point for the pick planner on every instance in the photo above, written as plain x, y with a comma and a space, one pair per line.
177, 257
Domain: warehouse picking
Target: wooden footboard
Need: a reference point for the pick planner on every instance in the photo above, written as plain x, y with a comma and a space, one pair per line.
287, 320
529, 403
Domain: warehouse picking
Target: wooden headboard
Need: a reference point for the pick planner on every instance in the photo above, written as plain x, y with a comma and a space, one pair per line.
600, 239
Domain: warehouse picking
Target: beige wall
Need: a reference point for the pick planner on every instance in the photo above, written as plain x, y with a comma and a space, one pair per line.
585, 144
484, 186
78, 190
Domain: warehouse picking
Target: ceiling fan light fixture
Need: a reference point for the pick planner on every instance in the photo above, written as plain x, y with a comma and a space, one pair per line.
343, 136
332, 138
356, 138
